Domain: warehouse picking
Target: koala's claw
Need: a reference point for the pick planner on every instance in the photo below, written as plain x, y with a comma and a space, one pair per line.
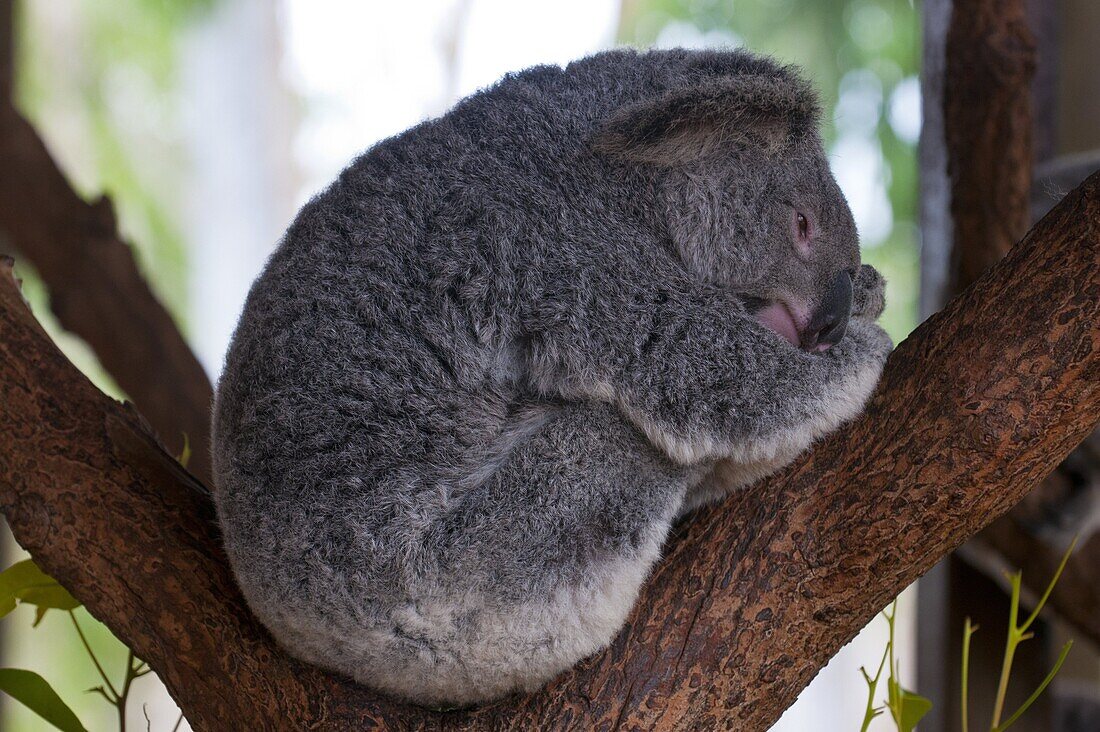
868, 293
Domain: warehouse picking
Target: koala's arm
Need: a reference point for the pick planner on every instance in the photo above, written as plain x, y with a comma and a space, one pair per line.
702, 379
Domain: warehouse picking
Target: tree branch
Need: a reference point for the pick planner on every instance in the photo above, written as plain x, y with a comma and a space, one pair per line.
990, 65
97, 292
753, 597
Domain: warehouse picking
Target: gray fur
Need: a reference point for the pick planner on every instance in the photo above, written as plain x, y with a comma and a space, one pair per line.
488, 367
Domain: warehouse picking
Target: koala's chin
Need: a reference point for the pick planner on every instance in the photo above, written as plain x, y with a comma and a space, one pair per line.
477, 383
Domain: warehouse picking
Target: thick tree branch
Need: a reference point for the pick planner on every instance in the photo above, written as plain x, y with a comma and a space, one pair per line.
753, 597
97, 292
990, 64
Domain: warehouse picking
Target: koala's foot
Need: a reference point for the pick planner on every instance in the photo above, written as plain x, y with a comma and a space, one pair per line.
544, 562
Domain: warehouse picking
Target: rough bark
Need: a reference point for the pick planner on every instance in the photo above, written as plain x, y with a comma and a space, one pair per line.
97, 291
753, 596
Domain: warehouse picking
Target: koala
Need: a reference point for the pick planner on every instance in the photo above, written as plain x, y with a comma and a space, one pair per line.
487, 369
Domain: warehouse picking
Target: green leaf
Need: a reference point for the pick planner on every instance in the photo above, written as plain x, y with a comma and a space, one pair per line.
25, 582
911, 708
185, 456
36, 694
1035, 694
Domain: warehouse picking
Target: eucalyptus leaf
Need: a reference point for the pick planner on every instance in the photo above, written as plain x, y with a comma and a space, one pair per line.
913, 708
39, 613
25, 582
185, 455
36, 694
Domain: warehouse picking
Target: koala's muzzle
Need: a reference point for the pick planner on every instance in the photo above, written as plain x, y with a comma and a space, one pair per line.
830, 320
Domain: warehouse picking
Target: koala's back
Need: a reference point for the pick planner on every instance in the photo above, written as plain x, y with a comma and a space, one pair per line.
361, 370
390, 320
380, 351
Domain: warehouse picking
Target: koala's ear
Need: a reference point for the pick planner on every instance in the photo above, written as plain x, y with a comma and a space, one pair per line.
765, 112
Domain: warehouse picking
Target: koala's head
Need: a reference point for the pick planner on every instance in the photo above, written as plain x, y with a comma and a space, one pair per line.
746, 192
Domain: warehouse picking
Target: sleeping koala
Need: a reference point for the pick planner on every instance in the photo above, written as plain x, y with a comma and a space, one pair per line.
491, 364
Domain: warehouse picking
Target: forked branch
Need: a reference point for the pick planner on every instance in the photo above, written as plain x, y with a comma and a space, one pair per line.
754, 596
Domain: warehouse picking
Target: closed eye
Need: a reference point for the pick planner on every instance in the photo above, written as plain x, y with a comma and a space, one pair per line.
802, 231
752, 303
803, 227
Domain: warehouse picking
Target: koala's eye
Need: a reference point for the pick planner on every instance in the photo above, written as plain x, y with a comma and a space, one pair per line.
803, 227
802, 232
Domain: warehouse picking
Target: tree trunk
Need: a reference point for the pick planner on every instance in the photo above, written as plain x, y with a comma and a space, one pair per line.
976, 160
990, 63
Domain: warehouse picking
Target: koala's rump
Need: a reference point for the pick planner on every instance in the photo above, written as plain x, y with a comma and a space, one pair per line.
371, 532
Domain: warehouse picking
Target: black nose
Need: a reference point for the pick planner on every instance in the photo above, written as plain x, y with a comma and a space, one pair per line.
828, 324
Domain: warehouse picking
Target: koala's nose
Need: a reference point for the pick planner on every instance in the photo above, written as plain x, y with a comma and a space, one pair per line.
828, 324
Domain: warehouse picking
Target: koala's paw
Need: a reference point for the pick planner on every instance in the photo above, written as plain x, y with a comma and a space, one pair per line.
865, 343
868, 293
857, 363
859, 358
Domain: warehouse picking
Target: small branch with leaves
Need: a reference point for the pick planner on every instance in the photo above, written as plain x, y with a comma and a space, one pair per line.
24, 583
1017, 634
908, 708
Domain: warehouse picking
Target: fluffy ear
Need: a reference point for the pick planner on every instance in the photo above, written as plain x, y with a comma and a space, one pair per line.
768, 112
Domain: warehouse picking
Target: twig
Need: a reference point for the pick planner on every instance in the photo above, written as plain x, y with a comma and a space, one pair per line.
88, 648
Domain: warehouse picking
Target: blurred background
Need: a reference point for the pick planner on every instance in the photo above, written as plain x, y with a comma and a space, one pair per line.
209, 122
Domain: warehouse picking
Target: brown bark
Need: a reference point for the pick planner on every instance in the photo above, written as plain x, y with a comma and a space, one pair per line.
753, 596
989, 66
97, 291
